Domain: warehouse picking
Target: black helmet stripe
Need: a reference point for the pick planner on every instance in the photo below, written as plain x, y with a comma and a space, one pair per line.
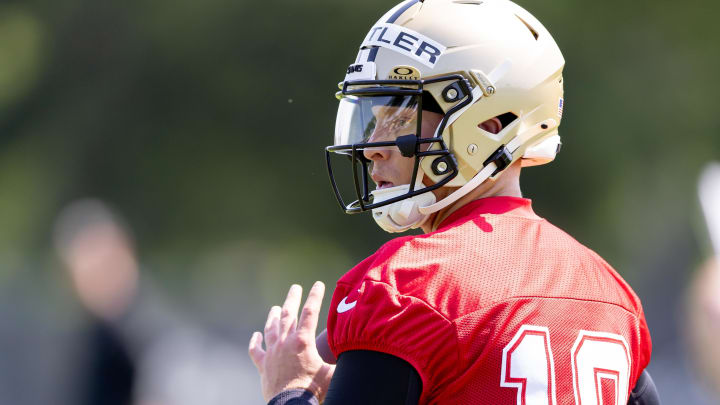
409, 3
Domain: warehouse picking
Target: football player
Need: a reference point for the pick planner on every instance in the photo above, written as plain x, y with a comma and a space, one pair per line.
445, 103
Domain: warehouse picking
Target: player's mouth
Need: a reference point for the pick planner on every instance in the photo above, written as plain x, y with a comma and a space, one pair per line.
380, 181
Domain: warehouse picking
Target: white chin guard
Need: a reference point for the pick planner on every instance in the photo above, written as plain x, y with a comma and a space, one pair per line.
404, 214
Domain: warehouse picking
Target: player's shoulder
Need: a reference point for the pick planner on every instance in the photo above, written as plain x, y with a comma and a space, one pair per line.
481, 258
586, 274
411, 257
460, 260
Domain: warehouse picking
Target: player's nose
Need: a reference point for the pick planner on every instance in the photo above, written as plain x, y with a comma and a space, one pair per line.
376, 154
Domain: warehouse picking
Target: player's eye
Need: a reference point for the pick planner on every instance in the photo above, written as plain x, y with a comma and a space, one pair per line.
400, 123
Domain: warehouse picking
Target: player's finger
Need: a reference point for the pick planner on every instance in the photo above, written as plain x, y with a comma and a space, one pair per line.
311, 311
272, 326
288, 318
255, 350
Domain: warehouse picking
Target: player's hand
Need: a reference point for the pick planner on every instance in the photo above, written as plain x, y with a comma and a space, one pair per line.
291, 359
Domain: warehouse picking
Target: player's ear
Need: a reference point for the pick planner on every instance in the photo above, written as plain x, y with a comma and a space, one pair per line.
493, 125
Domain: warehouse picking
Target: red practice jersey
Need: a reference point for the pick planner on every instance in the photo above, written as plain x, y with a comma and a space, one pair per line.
498, 307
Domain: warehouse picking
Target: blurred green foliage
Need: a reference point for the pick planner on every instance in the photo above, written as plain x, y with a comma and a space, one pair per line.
204, 122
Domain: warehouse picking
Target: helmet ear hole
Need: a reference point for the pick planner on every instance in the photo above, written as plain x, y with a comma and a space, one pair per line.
493, 125
498, 123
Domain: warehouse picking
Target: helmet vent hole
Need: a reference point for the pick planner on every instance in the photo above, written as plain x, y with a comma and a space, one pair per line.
532, 31
505, 120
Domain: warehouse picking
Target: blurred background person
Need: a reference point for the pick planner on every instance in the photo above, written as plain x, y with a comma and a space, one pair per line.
703, 309
138, 351
703, 322
99, 257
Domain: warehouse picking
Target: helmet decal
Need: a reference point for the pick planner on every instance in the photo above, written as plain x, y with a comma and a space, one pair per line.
404, 72
406, 42
560, 107
360, 71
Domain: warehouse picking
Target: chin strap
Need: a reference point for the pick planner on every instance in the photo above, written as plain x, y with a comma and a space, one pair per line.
479, 178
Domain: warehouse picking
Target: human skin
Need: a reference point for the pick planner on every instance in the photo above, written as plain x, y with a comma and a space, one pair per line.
290, 358
293, 357
103, 269
389, 167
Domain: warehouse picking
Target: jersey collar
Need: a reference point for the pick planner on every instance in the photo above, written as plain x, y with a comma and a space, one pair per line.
517, 206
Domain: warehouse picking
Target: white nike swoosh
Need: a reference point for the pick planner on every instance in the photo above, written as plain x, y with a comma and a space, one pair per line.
345, 306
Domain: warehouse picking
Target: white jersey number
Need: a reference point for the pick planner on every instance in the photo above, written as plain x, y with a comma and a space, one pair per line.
600, 367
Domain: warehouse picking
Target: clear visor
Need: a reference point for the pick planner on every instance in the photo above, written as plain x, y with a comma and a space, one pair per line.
370, 119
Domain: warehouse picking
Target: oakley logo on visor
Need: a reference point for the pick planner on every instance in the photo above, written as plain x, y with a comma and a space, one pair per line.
406, 42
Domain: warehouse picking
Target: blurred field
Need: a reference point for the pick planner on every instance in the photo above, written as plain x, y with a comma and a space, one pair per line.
202, 124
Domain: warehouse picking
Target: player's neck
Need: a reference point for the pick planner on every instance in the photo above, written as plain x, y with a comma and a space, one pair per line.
507, 184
